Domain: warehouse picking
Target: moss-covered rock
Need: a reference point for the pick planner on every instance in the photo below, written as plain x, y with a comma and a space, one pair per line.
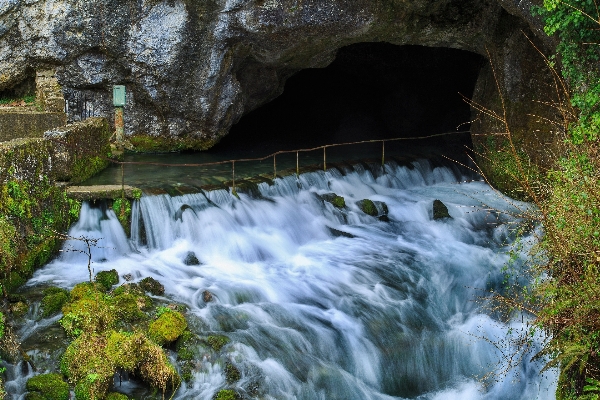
116, 396
92, 359
153, 286
337, 201
368, 207
226, 394
48, 387
91, 315
167, 327
128, 307
53, 301
440, 211
107, 278
232, 374
216, 342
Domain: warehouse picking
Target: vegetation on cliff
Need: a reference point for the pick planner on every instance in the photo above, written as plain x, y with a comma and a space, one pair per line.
565, 300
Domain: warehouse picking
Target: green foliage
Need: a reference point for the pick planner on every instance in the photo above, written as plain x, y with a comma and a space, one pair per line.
575, 23
49, 387
122, 209
116, 396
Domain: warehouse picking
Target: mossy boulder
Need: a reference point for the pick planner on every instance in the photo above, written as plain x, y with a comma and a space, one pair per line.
216, 342
91, 360
373, 208
152, 286
129, 307
53, 301
92, 315
226, 394
440, 211
334, 199
232, 374
107, 278
167, 327
47, 387
116, 396
86, 290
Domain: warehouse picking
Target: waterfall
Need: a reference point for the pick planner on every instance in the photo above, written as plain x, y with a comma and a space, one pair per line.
323, 302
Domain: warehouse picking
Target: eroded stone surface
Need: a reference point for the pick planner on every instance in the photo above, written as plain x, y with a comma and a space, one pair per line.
192, 68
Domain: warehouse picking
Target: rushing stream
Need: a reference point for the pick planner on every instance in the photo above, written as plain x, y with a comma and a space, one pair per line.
326, 303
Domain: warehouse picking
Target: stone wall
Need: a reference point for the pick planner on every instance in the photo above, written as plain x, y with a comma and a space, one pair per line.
32, 206
20, 122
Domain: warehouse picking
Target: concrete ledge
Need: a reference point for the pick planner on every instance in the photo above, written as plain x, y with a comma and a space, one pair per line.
23, 123
99, 192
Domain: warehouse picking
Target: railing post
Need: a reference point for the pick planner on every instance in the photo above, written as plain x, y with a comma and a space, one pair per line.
274, 166
297, 166
233, 177
383, 154
324, 158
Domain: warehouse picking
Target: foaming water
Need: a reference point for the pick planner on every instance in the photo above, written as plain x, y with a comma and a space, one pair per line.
321, 302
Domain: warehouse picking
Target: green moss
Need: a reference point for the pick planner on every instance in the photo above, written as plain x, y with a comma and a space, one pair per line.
232, 374
49, 387
226, 394
128, 307
160, 144
92, 315
167, 327
86, 290
107, 278
92, 359
216, 342
53, 301
368, 207
116, 396
153, 286
86, 167
122, 209
337, 201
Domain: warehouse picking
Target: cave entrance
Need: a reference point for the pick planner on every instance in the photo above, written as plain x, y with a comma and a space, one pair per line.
370, 91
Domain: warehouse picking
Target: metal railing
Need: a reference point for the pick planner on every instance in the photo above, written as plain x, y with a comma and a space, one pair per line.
274, 155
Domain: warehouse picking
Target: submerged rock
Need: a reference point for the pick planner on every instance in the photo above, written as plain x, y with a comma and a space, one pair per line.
440, 211
191, 259
207, 296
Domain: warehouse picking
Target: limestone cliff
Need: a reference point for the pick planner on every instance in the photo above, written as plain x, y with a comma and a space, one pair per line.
194, 67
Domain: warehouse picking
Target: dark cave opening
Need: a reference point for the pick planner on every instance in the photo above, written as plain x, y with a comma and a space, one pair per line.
370, 91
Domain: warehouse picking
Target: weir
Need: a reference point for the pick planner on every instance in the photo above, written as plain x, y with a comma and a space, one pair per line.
319, 301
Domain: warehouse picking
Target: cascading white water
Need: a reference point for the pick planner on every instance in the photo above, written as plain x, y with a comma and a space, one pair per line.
383, 311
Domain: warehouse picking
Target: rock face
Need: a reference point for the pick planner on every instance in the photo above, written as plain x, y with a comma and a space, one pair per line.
193, 68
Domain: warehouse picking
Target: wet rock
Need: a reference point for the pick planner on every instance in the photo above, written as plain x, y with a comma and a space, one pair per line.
232, 374
191, 259
207, 296
373, 208
337, 201
440, 211
153, 286
338, 233
128, 277
18, 309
